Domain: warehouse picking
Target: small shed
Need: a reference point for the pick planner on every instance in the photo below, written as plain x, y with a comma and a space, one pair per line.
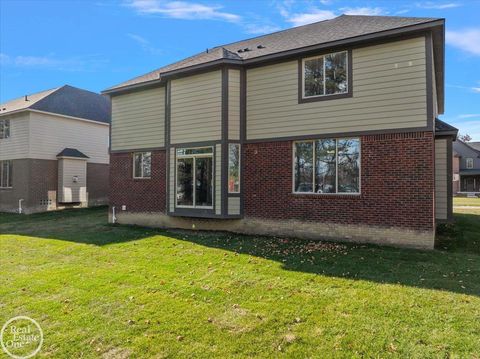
72, 176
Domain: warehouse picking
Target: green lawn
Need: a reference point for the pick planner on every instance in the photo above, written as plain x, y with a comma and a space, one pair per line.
102, 291
464, 201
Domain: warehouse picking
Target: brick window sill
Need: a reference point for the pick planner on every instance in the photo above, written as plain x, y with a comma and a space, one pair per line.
333, 195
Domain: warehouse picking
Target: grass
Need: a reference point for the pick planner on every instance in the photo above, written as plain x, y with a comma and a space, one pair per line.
464, 201
103, 291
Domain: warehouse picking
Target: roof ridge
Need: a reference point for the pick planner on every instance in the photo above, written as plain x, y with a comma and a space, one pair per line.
278, 31
341, 28
53, 89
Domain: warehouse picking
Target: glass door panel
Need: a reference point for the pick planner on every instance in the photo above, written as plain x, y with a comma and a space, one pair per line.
185, 182
203, 179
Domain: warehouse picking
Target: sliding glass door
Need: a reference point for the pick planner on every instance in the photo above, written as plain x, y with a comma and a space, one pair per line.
195, 177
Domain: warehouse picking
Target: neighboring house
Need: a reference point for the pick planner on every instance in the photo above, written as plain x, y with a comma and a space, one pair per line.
468, 157
321, 131
456, 173
54, 150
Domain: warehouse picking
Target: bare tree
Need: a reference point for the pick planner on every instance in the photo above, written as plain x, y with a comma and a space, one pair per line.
465, 138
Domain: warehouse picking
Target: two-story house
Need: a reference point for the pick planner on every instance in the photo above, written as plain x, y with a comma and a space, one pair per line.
326, 130
466, 167
54, 150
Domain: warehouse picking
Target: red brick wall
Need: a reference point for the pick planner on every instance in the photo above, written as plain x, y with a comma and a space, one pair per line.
97, 183
397, 180
139, 195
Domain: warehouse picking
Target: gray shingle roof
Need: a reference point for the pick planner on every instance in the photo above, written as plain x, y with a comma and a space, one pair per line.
72, 152
442, 127
339, 28
66, 100
474, 145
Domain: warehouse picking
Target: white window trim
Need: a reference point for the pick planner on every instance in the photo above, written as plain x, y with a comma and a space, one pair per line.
336, 169
324, 82
468, 161
194, 157
3, 124
239, 166
8, 175
141, 167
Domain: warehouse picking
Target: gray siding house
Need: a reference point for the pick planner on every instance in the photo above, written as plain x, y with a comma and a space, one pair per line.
468, 157
54, 150
326, 130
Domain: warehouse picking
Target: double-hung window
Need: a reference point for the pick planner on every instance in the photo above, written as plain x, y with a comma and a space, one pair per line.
4, 129
194, 173
142, 164
6, 174
327, 166
469, 162
325, 75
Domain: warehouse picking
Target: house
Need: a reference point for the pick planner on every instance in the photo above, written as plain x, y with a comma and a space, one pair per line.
466, 167
54, 150
326, 130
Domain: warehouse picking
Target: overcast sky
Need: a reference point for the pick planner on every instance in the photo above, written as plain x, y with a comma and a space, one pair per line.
94, 44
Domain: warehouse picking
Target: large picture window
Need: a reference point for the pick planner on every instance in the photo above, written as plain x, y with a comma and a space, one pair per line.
325, 75
327, 166
6, 174
194, 187
142, 165
4, 129
234, 168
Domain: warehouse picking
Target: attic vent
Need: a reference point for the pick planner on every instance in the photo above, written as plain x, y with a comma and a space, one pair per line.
240, 51
247, 49
260, 47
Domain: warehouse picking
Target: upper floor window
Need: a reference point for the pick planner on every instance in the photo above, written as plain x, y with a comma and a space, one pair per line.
325, 75
4, 129
327, 166
6, 174
469, 163
142, 164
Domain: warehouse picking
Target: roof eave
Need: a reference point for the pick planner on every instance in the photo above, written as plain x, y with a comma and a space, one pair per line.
15, 112
172, 74
286, 54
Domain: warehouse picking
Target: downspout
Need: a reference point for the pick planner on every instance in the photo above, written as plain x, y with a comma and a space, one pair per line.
20, 206
114, 218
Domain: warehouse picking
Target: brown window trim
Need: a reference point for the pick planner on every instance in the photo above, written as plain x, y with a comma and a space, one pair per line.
348, 94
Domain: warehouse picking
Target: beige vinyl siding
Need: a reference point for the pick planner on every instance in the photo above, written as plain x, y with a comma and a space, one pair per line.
234, 104
389, 92
196, 107
441, 179
68, 190
233, 205
172, 180
50, 134
218, 179
16, 146
138, 120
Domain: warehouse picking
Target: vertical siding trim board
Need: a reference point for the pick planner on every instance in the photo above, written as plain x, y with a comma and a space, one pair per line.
243, 134
218, 179
349, 93
224, 141
429, 77
167, 146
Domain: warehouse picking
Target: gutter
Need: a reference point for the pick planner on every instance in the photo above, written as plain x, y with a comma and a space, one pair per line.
279, 55
53, 114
